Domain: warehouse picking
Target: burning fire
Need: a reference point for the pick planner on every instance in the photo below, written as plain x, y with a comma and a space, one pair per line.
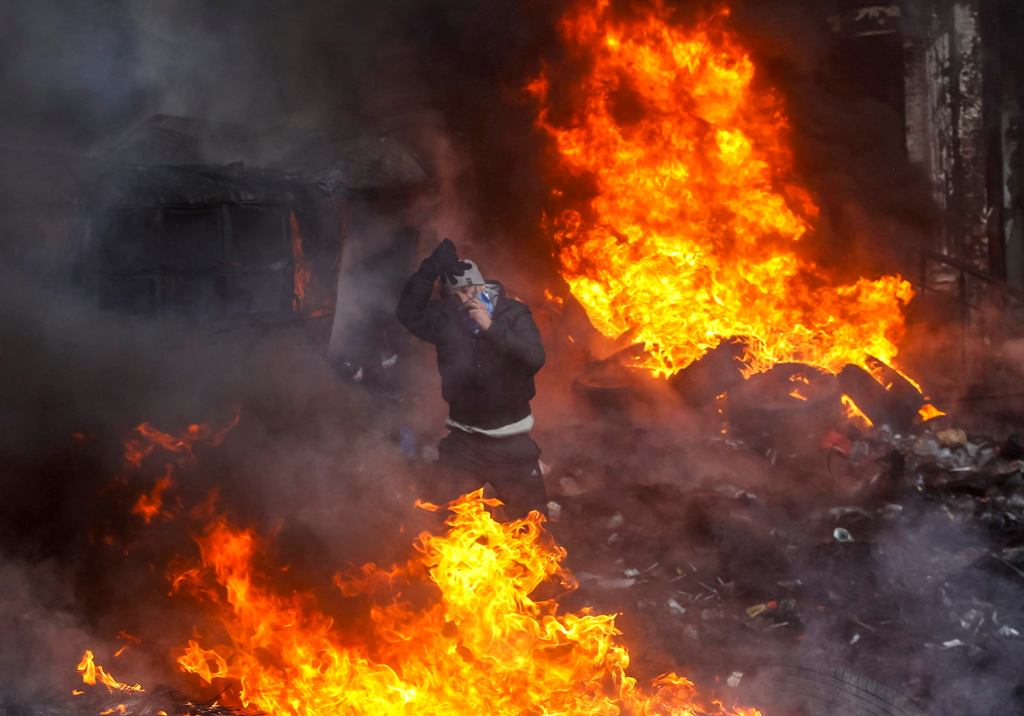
149, 440
482, 645
854, 413
478, 641
93, 674
692, 235
150, 505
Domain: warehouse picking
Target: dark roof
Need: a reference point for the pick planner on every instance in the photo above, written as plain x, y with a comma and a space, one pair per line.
40, 179
165, 139
169, 160
364, 162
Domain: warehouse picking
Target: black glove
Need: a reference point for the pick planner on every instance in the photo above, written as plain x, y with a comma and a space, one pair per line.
444, 261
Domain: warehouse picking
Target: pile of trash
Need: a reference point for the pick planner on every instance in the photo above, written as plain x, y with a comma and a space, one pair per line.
898, 555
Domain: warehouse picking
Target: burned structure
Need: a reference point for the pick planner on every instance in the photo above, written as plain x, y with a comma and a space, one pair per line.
194, 219
958, 99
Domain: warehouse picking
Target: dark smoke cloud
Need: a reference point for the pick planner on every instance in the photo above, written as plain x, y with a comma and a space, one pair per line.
70, 71
311, 461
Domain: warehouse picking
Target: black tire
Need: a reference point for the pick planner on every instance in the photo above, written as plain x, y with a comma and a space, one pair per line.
821, 690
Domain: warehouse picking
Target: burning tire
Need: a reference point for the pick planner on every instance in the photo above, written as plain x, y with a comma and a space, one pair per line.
787, 404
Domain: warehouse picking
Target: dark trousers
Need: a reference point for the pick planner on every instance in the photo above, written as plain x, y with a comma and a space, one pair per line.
510, 465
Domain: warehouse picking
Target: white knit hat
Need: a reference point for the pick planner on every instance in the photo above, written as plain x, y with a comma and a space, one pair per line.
469, 277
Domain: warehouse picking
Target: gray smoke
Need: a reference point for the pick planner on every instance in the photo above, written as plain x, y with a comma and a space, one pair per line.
314, 458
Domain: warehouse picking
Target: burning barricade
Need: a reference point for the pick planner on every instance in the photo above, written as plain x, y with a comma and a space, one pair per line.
470, 624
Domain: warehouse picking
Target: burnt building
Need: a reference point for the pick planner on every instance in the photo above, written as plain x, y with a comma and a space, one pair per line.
958, 101
190, 218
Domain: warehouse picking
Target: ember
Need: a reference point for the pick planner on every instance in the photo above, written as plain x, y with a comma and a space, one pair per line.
150, 505
693, 234
301, 266
150, 440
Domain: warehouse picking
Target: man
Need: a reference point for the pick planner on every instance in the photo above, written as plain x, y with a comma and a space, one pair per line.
488, 350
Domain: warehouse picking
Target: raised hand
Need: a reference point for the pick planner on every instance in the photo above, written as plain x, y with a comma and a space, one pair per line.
444, 261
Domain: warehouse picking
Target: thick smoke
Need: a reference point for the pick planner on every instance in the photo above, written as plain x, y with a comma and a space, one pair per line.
314, 458
304, 463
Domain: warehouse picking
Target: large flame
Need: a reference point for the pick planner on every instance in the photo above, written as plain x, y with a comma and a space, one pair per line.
691, 236
469, 625
480, 641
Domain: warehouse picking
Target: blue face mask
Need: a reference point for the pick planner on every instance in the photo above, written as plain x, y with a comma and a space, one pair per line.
486, 299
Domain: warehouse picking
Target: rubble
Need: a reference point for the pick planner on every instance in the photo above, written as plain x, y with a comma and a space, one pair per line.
160, 701
899, 556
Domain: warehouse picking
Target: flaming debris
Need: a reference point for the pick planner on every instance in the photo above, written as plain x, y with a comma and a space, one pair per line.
929, 412
92, 674
853, 413
691, 237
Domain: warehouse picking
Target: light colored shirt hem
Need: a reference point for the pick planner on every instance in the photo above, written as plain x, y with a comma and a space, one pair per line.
517, 428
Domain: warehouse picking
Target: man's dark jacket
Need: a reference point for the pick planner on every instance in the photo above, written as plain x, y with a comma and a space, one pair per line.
487, 378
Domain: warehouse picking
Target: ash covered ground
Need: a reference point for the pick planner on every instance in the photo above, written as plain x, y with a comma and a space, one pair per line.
899, 560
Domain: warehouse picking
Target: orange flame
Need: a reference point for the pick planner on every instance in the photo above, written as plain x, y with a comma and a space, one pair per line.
853, 412
482, 644
92, 673
150, 439
929, 411
150, 505
553, 299
302, 270
692, 235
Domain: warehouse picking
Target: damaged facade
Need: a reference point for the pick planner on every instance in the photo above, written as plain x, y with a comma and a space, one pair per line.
957, 100
962, 106
191, 218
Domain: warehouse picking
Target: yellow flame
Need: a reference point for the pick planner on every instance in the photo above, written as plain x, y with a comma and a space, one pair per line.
482, 643
92, 674
929, 411
853, 411
692, 235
